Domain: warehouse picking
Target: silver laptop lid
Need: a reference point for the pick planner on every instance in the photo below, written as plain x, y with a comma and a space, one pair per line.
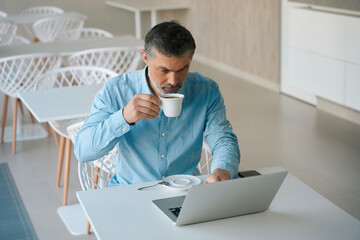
231, 198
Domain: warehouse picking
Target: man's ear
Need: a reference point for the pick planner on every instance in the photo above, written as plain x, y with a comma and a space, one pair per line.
144, 57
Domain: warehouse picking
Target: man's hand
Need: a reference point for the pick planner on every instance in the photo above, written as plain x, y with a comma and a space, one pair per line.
218, 175
141, 106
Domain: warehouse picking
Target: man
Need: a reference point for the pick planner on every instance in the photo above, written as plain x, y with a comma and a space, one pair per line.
126, 114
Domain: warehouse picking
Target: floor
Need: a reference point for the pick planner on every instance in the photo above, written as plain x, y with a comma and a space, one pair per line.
273, 130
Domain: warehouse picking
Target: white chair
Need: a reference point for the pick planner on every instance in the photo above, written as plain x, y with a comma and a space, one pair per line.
205, 164
42, 10
57, 28
95, 174
18, 74
90, 33
67, 77
3, 14
8, 27
39, 10
117, 59
10, 39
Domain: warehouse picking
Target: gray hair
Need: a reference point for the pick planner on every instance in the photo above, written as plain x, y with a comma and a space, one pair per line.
170, 39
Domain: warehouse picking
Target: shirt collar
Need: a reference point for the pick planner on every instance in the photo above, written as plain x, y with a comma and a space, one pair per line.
144, 85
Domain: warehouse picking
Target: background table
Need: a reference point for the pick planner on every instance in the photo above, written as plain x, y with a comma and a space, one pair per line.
67, 48
60, 103
297, 212
138, 6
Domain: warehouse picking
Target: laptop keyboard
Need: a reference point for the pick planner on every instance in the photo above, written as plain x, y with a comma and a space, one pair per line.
175, 211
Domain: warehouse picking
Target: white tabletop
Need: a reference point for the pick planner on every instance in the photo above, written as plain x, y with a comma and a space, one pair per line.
297, 212
31, 18
148, 5
67, 48
138, 6
60, 103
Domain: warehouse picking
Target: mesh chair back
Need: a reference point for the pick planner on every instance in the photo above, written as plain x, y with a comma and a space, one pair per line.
57, 27
9, 39
7, 27
42, 10
39, 10
94, 174
117, 59
67, 77
205, 164
74, 76
18, 73
90, 33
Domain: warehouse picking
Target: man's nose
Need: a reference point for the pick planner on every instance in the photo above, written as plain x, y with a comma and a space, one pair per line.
172, 78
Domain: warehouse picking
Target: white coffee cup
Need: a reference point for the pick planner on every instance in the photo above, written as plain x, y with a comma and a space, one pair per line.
171, 104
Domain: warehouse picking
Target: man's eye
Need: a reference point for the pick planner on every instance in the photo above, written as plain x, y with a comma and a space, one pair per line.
165, 71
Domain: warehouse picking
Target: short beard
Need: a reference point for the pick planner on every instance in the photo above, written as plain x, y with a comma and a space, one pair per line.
160, 89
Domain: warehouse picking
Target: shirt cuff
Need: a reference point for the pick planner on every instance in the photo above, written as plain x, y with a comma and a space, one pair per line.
118, 124
233, 172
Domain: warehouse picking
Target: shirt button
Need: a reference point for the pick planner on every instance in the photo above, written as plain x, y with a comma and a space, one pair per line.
163, 156
124, 129
163, 134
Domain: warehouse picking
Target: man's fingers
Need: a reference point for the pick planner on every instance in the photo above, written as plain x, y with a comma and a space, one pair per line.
211, 179
217, 176
144, 111
149, 98
146, 116
148, 105
141, 106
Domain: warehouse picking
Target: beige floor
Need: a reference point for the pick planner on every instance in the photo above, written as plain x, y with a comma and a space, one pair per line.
273, 130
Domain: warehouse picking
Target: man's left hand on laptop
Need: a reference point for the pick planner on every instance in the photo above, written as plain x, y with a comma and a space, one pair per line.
218, 175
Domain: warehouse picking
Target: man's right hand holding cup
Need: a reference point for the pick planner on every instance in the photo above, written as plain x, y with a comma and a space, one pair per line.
141, 106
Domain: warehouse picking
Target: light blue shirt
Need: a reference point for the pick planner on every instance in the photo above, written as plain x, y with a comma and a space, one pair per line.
155, 148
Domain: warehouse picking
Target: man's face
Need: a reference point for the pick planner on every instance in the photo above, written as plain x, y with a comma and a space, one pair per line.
166, 74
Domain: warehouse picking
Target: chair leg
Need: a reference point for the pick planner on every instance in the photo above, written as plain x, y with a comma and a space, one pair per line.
88, 228
16, 101
56, 138
47, 127
60, 160
67, 169
21, 108
96, 176
3, 122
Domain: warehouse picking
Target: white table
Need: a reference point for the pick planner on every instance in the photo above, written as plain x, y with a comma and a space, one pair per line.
67, 48
297, 212
31, 18
138, 6
60, 104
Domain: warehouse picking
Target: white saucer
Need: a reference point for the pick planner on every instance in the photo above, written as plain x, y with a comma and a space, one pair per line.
181, 181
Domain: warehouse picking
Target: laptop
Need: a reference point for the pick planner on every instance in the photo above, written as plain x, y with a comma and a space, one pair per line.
206, 202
